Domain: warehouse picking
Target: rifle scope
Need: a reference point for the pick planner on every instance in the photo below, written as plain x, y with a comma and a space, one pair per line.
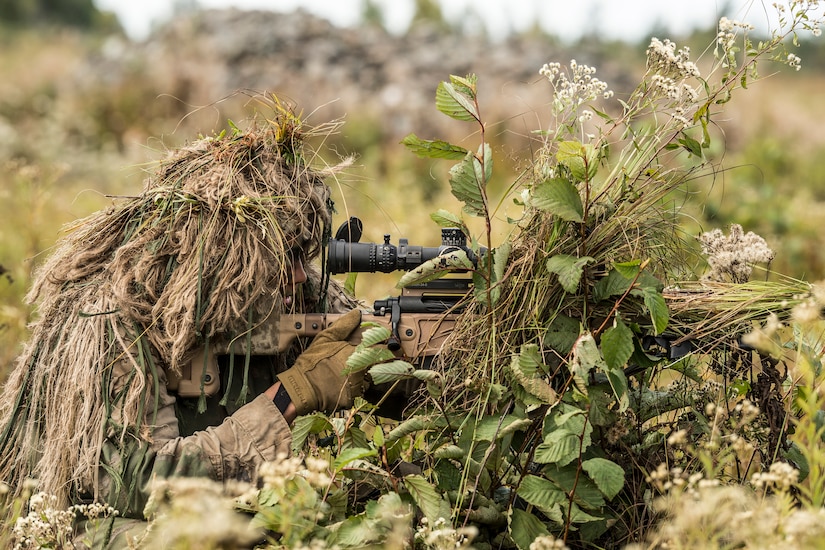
348, 257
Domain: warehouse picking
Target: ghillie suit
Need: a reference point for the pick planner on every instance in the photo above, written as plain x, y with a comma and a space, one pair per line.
132, 292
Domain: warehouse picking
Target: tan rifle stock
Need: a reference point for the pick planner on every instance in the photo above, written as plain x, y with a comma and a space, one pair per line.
419, 335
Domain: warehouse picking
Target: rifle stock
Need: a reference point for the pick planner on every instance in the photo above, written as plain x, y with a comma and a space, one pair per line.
416, 336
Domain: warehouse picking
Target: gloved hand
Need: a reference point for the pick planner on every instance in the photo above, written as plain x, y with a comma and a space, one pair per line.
316, 382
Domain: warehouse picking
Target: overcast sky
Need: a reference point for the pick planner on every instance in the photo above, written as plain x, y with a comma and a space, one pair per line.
567, 19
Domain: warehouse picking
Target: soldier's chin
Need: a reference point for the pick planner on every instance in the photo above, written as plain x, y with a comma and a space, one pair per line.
288, 301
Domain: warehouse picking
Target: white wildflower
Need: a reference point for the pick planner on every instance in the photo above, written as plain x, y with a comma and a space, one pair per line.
677, 438
781, 476
794, 61
574, 88
666, 60
731, 258
547, 542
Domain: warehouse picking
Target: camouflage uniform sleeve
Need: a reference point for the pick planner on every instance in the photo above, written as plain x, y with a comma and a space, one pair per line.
233, 450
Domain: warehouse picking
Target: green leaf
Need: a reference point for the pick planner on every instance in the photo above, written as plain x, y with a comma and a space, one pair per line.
492, 428
374, 334
558, 197
433, 148
436, 268
390, 372
350, 455
617, 345
562, 334
586, 356
466, 182
306, 425
456, 102
525, 528
357, 532
427, 498
445, 218
528, 370
618, 383
378, 436
608, 476
628, 270
559, 447
363, 358
614, 284
349, 283
587, 494
580, 158
569, 270
657, 307
541, 493
690, 145
500, 255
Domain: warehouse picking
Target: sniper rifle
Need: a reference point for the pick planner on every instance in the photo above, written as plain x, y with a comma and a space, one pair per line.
419, 320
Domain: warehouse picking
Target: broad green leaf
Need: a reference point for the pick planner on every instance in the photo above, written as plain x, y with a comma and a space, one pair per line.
409, 426
485, 152
617, 345
691, 145
607, 475
541, 493
447, 476
501, 255
456, 102
466, 85
378, 436
528, 370
628, 270
569, 270
600, 413
306, 425
573, 420
559, 447
492, 428
466, 182
374, 334
390, 372
657, 307
366, 357
445, 218
614, 284
349, 455
357, 532
586, 356
562, 334
480, 287
577, 515
558, 197
349, 283
581, 159
436, 268
587, 495
618, 383
525, 528
426, 375
433, 148
431, 504
449, 451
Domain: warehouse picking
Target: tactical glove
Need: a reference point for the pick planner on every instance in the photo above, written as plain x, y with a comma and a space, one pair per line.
316, 382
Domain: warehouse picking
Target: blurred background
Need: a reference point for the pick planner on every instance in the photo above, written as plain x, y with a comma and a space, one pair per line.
92, 92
